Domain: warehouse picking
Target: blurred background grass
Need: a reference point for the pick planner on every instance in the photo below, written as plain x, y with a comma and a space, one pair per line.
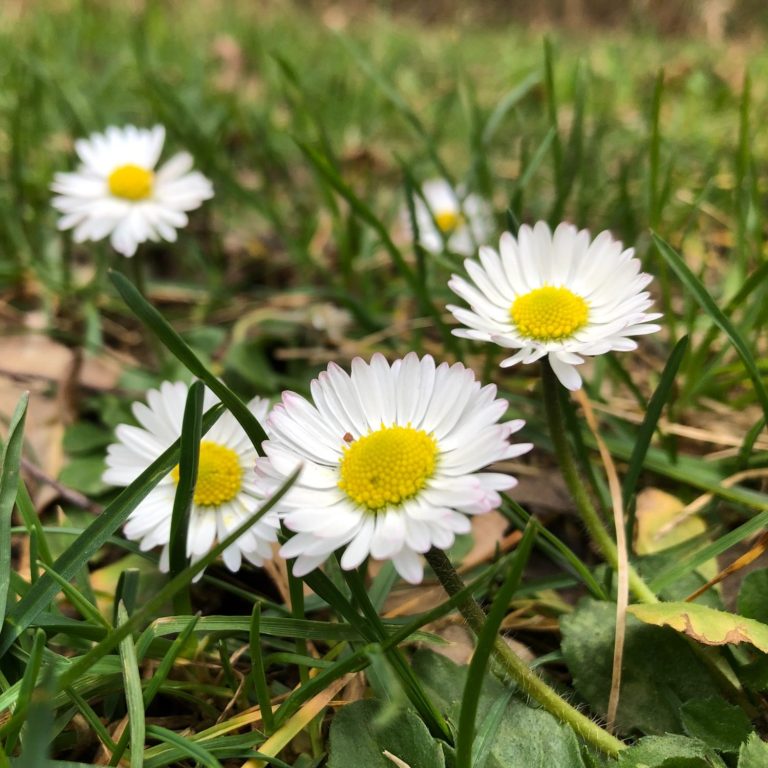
630, 117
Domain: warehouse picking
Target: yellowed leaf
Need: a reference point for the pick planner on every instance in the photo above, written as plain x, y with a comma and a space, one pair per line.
656, 509
705, 625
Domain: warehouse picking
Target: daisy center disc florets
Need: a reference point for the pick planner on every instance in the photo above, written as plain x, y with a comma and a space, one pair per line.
131, 182
549, 313
387, 466
219, 475
447, 221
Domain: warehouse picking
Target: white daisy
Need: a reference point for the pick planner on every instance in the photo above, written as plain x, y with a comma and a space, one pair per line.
391, 459
559, 294
225, 493
451, 221
117, 192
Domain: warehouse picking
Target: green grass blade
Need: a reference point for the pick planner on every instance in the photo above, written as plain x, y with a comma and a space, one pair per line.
549, 80
38, 733
165, 666
411, 685
190, 748
484, 647
716, 548
168, 590
10, 731
707, 303
86, 545
189, 455
9, 485
156, 323
508, 102
86, 608
553, 547
32, 522
259, 673
644, 434
133, 696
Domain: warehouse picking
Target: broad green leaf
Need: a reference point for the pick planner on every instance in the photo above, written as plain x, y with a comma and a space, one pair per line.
753, 753
669, 752
83, 473
705, 625
659, 669
524, 735
753, 596
362, 731
715, 722
85, 437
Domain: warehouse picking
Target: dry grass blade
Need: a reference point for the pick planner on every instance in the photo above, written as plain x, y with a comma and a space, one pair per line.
759, 548
283, 736
622, 596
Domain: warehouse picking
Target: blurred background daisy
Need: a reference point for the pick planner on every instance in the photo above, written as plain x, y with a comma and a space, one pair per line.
448, 219
116, 191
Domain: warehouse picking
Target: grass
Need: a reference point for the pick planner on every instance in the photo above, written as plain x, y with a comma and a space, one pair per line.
313, 130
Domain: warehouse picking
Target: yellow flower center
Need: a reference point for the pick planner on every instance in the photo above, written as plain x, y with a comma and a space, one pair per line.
447, 221
549, 313
131, 182
387, 466
219, 475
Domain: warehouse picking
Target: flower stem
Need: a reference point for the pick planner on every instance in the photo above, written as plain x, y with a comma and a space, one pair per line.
527, 681
578, 490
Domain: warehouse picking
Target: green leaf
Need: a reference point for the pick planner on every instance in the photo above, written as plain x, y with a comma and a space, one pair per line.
659, 669
753, 596
85, 437
9, 486
83, 473
707, 303
669, 752
715, 722
362, 731
705, 625
753, 753
518, 735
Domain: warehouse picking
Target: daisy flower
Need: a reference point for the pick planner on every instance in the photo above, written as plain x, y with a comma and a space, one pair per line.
117, 192
391, 461
449, 222
559, 295
225, 493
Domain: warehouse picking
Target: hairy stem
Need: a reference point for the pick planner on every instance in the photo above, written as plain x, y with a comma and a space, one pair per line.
527, 681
